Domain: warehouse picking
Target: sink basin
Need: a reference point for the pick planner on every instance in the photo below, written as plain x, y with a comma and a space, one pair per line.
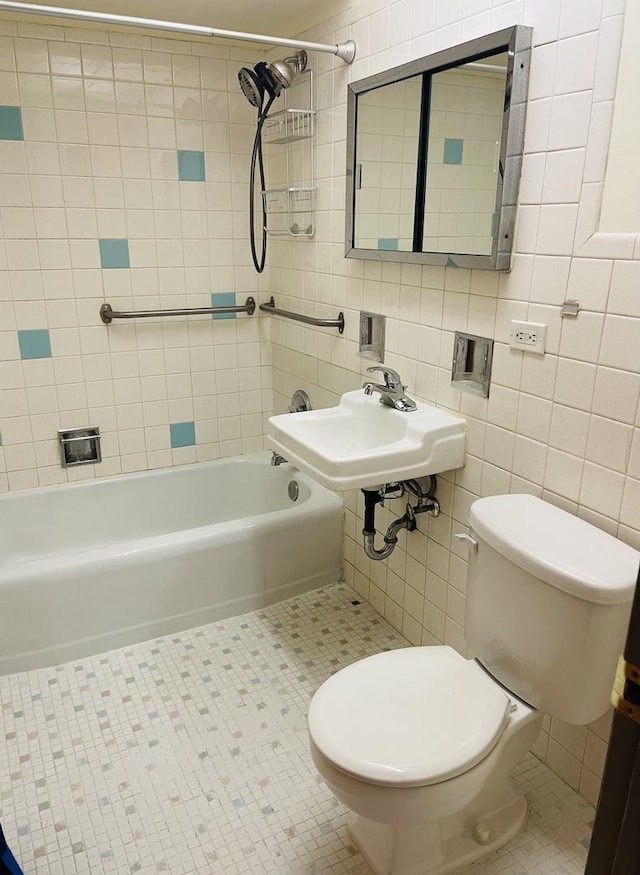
362, 443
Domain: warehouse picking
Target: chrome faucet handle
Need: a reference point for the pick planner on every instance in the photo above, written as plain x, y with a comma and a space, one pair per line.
392, 391
392, 379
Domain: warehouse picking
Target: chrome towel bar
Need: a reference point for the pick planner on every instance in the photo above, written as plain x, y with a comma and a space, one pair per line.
107, 314
270, 307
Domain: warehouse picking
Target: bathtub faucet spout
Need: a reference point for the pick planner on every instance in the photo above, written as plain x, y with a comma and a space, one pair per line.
277, 459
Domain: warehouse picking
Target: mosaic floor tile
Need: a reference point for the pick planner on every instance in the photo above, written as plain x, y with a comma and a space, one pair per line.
188, 754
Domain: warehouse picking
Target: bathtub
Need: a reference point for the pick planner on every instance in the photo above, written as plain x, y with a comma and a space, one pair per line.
105, 563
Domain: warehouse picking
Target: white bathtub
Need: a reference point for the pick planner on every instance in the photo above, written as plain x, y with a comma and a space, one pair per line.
105, 563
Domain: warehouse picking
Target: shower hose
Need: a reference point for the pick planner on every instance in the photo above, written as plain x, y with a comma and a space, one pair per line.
256, 157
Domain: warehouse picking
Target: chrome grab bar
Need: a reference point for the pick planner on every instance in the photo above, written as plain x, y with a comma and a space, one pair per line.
270, 307
107, 314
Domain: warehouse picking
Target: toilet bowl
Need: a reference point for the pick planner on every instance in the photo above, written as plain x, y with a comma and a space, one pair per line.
419, 743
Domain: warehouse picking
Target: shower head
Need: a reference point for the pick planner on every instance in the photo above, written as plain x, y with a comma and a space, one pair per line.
251, 87
255, 83
271, 79
284, 71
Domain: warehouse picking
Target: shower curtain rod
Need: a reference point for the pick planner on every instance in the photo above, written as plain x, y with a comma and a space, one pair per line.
345, 51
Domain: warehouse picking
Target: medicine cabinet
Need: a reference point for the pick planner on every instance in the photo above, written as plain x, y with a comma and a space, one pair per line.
434, 155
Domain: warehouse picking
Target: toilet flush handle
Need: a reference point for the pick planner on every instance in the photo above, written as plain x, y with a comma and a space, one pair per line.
470, 540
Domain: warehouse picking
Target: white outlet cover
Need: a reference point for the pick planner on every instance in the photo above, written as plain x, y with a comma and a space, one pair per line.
528, 336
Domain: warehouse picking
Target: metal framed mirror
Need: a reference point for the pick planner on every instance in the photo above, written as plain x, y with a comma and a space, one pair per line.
434, 155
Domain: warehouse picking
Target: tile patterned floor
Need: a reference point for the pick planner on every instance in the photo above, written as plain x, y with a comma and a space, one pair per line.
188, 754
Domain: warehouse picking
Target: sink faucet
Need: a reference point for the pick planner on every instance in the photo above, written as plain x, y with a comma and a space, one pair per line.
392, 391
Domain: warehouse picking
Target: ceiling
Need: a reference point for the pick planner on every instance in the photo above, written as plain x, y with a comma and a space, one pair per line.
278, 17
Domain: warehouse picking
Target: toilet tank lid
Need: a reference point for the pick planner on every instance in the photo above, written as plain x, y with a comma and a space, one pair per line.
557, 547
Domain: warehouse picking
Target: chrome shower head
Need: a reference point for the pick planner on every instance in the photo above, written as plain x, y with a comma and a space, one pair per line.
251, 86
284, 71
271, 79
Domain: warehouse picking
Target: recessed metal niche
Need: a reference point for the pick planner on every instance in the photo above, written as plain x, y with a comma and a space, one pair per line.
472, 357
79, 446
372, 336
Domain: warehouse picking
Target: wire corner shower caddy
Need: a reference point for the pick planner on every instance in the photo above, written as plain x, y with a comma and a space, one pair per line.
288, 134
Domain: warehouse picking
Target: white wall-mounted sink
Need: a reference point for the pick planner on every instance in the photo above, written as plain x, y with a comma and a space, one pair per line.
363, 443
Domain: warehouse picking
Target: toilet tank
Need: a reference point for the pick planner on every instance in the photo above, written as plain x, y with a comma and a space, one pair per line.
548, 603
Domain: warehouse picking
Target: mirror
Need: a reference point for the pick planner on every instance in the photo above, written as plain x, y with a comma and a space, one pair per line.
434, 153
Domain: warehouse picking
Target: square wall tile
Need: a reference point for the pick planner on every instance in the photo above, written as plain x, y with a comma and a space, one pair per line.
191, 166
388, 243
34, 344
223, 299
11, 123
114, 253
452, 151
183, 434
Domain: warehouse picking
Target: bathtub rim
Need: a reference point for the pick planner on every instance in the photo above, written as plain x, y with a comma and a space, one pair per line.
318, 497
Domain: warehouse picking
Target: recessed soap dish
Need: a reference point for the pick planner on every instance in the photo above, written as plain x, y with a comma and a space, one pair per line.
79, 446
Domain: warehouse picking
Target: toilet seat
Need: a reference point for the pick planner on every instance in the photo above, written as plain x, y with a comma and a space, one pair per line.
408, 718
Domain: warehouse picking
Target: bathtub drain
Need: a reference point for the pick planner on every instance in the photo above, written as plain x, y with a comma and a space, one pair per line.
294, 490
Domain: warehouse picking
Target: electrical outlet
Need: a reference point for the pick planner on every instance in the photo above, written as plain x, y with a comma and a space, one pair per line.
528, 336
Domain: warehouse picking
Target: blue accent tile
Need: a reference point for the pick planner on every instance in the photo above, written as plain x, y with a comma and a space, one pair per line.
183, 434
11, 123
453, 151
388, 243
191, 166
114, 253
34, 344
223, 299
450, 262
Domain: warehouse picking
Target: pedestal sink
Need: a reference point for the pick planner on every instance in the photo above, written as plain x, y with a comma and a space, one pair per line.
362, 443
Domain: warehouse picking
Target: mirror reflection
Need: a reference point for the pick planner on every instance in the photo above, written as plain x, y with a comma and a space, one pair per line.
387, 149
463, 157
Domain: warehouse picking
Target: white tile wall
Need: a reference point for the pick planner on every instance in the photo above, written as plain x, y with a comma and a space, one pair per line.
565, 425
104, 115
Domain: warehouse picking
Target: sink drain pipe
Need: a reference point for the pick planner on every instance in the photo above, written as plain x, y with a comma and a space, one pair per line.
426, 503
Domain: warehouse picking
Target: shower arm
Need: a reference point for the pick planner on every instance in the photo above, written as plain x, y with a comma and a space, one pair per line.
345, 51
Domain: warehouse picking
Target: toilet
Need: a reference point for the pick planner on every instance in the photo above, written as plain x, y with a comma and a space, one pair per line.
419, 742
